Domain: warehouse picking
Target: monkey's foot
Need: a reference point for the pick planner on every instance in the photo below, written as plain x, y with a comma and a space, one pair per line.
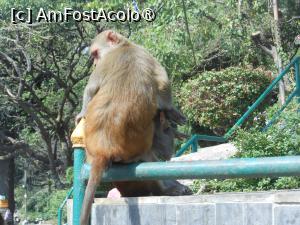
174, 188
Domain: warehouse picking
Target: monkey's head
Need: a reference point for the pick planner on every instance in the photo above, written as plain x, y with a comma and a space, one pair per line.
105, 42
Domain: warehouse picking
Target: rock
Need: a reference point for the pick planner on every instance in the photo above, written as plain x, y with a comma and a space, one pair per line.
217, 152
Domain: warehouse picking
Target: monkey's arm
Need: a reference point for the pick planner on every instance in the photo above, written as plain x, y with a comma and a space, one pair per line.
89, 92
175, 116
165, 95
164, 87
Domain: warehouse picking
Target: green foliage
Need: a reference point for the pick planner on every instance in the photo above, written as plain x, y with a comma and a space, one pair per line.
281, 139
216, 99
69, 175
41, 203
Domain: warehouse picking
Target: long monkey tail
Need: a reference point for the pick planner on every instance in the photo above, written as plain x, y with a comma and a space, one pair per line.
98, 166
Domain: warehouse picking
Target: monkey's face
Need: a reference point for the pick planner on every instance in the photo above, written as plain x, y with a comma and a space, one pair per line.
103, 43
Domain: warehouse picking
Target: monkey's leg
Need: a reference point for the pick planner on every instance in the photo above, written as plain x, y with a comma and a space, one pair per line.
152, 188
174, 188
136, 188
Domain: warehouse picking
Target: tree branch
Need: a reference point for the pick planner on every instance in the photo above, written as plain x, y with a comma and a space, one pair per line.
261, 42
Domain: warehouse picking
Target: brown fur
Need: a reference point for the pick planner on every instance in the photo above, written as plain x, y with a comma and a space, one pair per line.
119, 118
162, 149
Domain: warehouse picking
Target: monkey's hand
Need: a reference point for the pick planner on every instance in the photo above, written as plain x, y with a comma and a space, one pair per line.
175, 116
179, 135
79, 117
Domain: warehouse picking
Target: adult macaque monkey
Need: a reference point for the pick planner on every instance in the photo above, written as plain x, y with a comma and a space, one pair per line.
129, 86
95, 81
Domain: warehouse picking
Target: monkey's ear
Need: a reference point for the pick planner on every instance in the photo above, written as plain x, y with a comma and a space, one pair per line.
95, 54
113, 37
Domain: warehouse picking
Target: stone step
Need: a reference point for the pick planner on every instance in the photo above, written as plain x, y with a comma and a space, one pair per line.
257, 208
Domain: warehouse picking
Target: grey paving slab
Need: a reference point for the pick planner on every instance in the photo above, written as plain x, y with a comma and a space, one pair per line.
229, 213
171, 214
287, 214
146, 214
195, 214
258, 213
110, 215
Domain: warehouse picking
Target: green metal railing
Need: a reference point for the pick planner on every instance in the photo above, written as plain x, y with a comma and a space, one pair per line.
193, 141
230, 168
204, 169
60, 209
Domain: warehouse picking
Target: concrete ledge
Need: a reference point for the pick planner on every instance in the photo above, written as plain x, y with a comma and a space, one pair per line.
291, 196
257, 208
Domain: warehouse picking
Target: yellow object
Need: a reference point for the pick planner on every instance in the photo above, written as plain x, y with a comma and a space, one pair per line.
77, 136
4, 203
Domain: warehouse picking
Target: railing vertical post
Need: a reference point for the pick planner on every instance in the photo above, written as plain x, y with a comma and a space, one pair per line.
78, 142
78, 185
297, 75
195, 145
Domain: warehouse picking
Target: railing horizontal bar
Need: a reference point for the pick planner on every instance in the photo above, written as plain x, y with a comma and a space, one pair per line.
277, 114
201, 137
198, 137
229, 168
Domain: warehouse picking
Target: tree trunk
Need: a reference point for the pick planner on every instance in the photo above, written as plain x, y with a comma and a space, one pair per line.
277, 59
240, 2
52, 165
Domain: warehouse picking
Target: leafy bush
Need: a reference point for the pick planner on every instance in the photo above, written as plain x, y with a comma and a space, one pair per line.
69, 175
216, 99
41, 203
283, 138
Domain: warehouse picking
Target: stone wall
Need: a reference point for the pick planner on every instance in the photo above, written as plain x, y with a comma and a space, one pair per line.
258, 208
